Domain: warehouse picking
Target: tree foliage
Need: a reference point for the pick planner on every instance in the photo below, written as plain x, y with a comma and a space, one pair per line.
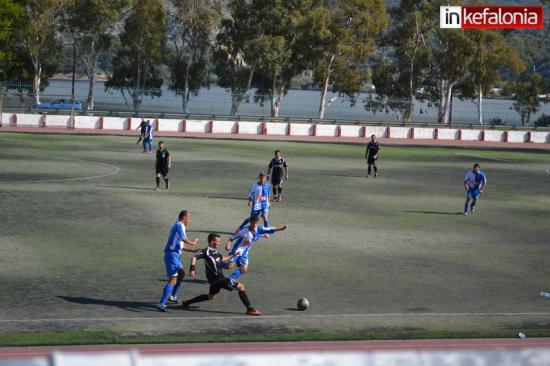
137, 64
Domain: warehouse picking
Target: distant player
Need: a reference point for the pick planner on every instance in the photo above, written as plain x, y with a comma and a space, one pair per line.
258, 201
172, 253
277, 164
371, 154
474, 184
240, 245
163, 164
214, 273
143, 127
148, 138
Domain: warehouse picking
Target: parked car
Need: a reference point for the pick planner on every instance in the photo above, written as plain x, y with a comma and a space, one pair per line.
60, 104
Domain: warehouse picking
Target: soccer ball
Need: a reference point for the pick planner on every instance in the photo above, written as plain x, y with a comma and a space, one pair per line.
303, 304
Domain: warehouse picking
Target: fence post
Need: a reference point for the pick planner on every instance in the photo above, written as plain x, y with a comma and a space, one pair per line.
482, 136
287, 132
436, 132
412, 133
364, 131
505, 137
183, 125
314, 130
129, 124
157, 125
237, 127
459, 134
101, 122
339, 131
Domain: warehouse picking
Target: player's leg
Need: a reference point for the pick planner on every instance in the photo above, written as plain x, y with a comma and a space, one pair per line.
173, 265
375, 168
280, 195
473, 205
173, 299
369, 169
467, 203
242, 262
274, 187
157, 180
265, 217
245, 300
214, 290
165, 176
144, 144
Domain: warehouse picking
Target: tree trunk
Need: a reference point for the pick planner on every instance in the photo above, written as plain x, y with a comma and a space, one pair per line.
480, 106
235, 102
322, 105
441, 101
185, 102
137, 103
36, 82
274, 107
448, 99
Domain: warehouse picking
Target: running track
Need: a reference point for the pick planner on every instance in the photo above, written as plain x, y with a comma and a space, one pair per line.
357, 346
222, 136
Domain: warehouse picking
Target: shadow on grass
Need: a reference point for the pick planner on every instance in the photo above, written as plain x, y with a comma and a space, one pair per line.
435, 212
125, 187
135, 306
195, 308
293, 309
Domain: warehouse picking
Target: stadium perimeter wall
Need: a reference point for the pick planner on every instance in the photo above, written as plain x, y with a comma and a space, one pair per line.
289, 129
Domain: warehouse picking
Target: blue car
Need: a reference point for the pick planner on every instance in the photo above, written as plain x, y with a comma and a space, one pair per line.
60, 104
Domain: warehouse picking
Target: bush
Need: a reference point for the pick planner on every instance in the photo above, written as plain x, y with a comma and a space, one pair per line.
497, 121
543, 121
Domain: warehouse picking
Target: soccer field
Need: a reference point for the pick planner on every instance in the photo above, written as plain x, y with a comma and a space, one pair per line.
82, 236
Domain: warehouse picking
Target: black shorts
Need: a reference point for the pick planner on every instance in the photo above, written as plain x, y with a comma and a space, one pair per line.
225, 283
371, 160
162, 170
276, 181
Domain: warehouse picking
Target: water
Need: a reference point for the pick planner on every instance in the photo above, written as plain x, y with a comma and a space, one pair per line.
296, 104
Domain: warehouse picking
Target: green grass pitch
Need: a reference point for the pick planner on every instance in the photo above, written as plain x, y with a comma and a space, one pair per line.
81, 259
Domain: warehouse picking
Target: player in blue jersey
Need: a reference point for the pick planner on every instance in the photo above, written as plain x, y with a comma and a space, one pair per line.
239, 245
474, 184
259, 201
172, 253
148, 138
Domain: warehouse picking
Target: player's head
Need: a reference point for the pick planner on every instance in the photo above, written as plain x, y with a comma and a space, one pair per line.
476, 168
184, 217
161, 145
277, 154
262, 178
373, 137
214, 240
254, 221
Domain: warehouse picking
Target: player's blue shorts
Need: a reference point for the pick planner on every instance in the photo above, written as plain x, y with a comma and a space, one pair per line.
260, 212
473, 193
241, 260
172, 263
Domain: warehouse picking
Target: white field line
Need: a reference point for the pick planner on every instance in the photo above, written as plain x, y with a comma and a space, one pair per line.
374, 315
115, 170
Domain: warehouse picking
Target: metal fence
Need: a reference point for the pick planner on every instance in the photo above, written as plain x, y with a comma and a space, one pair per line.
297, 104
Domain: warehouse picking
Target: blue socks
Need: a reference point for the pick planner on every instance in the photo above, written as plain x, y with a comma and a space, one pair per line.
266, 223
236, 274
466, 207
166, 293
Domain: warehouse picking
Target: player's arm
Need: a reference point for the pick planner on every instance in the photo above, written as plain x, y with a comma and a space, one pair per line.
271, 230
483, 184
229, 242
227, 257
375, 157
192, 269
189, 250
169, 161
191, 242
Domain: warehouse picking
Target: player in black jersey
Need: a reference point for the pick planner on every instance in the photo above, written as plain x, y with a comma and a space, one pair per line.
371, 155
279, 166
163, 164
213, 269
143, 127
